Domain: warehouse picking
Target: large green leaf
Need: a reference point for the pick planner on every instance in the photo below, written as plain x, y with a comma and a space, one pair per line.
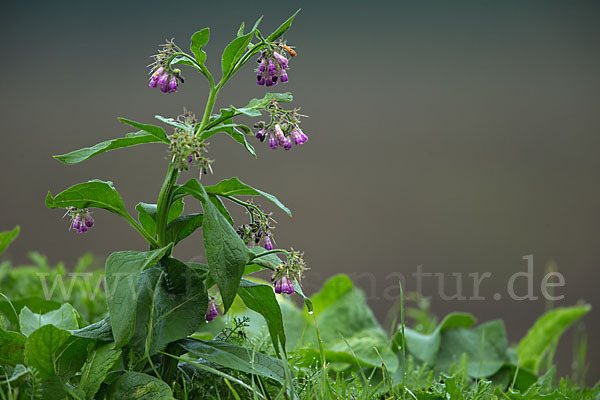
235, 357
261, 298
7, 237
171, 305
334, 288
12, 346
34, 303
345, 320
139, 386
545, 331
66, 317
226, 254
122, 272
182, 227
99, 362
485, 347
101, 331
131, 139
235, 187
95, 193
282, 28
426, 347
199, 40
233, 52
153, 130
55, 352
147, 214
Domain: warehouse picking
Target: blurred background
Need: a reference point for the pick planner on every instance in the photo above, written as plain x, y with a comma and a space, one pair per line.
456, 136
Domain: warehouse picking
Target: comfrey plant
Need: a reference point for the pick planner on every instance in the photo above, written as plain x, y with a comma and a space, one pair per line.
154, 300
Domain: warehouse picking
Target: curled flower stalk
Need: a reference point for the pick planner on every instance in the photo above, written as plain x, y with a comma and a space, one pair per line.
161, 75
292, 270
283, 129
272, 66
81, 220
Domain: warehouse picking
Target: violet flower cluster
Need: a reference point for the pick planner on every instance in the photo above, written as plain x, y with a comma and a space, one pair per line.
283, 129
258, 229
271, 69
284, 275
81, 220
162, 76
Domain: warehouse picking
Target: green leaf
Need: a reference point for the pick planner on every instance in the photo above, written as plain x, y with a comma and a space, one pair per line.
334, 288
235, 357
235, 187
34, 303
147, 214
545, 331
268, 98
426, 347
7, 237
55, 352
97, 365
65, 317
123, 269
282, 28
183, 226
240, 31
221, 208
269, 261
139, 386
153, 130
101, 331
92, 194
226, 254
199, 40
233, 52
345, 320
172, 122
12, 346
485, 347
170, 306
131, 139
241, 139
261, 298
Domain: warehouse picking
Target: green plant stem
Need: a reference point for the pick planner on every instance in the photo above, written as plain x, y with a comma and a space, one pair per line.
274, 251
210, 103
165, 198
140, 230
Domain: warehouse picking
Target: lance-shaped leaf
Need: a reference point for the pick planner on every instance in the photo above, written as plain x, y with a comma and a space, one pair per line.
282, 28
545, 331
147, 214
123, 269
92, 194
250, 109
235, 357
261, 298
153, 130
171, 305
226, 254
99, 362
199, 40
183, 227
172, 122
7, 237
233, 52
131, 139
235, 187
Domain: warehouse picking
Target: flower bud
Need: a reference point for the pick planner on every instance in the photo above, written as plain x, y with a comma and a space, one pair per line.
287, 143
272, 69
172, 86
89, 221
260, 135
211, 312
283, 62
272, 141
268, 243
283, 76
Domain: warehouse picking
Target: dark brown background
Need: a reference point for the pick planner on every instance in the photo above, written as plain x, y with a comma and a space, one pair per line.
460, 136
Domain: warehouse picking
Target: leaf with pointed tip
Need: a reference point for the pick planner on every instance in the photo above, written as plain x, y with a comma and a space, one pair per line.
6, 238
233, 52
183, 227
123, 269
282, 28
199, 40
261, 298
153, 130
240, 31
226, 254
172, 122
235, 187
131, 139
92, 194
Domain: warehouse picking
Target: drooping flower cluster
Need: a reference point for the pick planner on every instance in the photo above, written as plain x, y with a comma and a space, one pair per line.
211, 312
272, 66
258, 229
186, 148
162, 76
291, 271
283, 129
81, 220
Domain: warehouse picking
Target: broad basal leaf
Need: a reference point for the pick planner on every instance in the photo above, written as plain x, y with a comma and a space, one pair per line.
12, 346
139, 386
123, 269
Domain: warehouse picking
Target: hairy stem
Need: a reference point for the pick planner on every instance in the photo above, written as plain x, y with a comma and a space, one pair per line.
165, 198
